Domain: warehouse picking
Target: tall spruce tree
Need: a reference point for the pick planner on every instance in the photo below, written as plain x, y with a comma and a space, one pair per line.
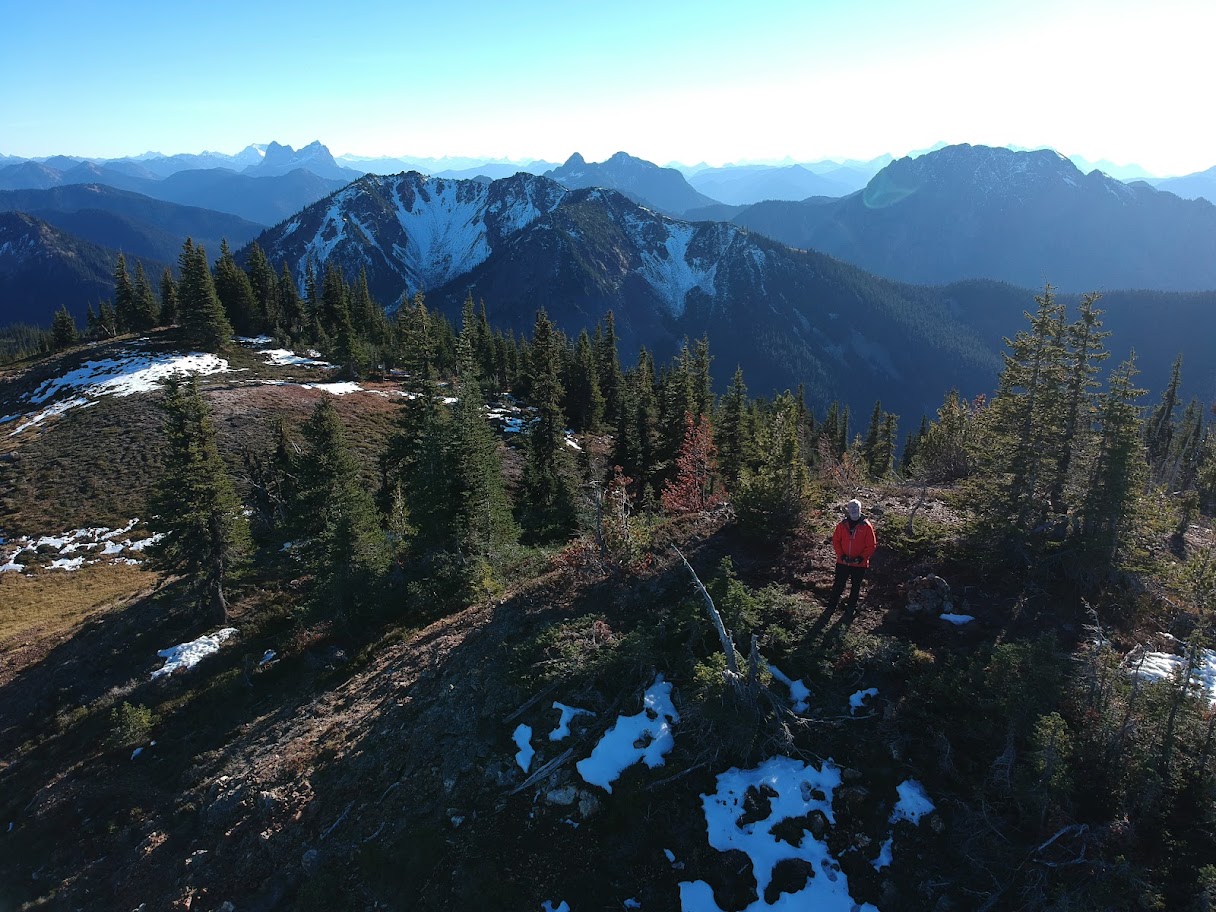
145, 311
63, 329
194, 504
547, 509
236, 294
1159, 430
485, 525
265, 287
584, 401
124, 296
608, 368
168, 298
734, 437
340, 538
203, 320
1116, 478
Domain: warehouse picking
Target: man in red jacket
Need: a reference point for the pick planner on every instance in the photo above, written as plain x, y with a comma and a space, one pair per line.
854, 542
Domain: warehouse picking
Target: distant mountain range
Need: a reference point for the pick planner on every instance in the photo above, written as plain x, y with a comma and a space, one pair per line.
262, 199
1201, 185
136, 224
645, 183
42, 268
1022, 217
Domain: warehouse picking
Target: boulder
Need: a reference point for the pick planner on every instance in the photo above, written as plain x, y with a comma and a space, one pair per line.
928, 597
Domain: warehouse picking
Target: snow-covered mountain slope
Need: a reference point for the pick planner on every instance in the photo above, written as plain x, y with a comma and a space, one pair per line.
410, 232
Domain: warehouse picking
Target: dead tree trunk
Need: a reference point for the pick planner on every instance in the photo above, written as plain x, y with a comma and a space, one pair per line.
732, 663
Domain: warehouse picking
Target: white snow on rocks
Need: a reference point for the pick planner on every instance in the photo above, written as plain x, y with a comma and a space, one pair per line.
1165, 666
794, 789
651, 727
800, 694
102, 545
139, 372
122, 375
671, 272
957, 619
913, 803
282, 357
523, 740
336, 389
567, 716
858, 700
187, 655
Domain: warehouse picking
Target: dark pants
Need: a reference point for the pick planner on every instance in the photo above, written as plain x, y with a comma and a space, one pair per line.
846, 573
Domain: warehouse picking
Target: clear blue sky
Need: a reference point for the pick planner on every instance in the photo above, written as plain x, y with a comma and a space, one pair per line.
666, 80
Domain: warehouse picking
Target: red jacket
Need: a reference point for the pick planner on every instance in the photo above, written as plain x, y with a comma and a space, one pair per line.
859, 541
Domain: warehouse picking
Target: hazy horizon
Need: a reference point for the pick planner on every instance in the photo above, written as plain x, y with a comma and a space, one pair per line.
681, 82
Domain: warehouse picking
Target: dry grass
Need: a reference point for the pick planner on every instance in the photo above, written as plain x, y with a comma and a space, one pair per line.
48, 604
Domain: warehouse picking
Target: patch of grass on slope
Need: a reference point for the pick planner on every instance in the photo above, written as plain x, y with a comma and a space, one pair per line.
54, 602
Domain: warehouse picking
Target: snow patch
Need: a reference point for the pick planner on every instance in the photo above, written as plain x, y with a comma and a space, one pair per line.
858, 699
335, 389
618, 749
523, 740
794, 789
671, 272
187, 655
563, 723
800, 694
1165, 666
913, 803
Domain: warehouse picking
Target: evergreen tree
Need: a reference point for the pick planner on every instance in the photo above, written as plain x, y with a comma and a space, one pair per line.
608, 369
236, 294
547, 509
194, 504
1118, 468
63, 329
340, 538
347, 350
145, 312
912, 445
772, 498
637, 428
584, 402
830, 430
124, 296
485, 524
734, 440
292, 316
201, 314
1027, 412
1085, 342
168, 298
1159, 431
265, 287
869, 449
944, 449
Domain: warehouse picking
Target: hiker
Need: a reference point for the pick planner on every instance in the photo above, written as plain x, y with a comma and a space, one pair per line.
854, 542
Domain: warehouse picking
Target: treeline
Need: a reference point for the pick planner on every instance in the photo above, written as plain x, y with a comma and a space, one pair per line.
1061, 459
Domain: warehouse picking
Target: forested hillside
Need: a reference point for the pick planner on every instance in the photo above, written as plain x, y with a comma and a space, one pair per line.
475, 619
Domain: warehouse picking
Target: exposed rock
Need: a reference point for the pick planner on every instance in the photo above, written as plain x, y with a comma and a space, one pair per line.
564, 796
928, 596
588, 804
